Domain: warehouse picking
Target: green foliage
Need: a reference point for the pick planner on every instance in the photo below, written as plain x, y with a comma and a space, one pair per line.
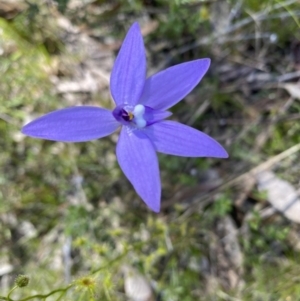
221, 206
62, 5
182, 19
262, 234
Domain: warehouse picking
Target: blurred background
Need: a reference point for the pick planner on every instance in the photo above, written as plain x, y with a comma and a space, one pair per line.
228, 229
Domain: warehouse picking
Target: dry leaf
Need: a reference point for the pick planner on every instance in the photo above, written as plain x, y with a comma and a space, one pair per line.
292, 89
137, 287
281, 194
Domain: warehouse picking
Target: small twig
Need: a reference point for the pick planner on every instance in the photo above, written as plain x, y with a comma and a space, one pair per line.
207, 198
201, 109
270, 81
223, 38
290, 117
290, 12
7, 118
262, 16
191, 6
217, 40
288, 76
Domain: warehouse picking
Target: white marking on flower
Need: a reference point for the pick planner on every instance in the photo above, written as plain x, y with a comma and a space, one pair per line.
140, 123
138, 110
138, 113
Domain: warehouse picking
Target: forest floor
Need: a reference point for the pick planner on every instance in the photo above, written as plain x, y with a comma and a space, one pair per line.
69, 218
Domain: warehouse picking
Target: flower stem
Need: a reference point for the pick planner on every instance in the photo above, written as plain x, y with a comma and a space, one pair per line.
46, 295
10, 292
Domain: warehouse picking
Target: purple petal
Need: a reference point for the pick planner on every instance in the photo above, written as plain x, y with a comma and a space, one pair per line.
75, 124
153, 116
129, 72
137, 158
164, 89
174, 138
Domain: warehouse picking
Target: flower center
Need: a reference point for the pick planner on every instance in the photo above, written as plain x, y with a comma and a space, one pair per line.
129, 115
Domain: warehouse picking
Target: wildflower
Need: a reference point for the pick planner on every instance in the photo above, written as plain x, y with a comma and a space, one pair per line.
141, 109
86, 283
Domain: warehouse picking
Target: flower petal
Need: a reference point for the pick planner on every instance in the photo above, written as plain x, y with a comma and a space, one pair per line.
164, 89
129, 72
138, 160
153, 116
174, 138
75, 124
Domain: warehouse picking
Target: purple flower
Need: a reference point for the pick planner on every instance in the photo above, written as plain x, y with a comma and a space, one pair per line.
141, 106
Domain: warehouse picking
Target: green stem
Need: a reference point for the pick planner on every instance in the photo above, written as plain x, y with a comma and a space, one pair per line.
10, 292
81, 296
47, 295
107, 294
137, 246
109, 263
61, 295
290, 12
